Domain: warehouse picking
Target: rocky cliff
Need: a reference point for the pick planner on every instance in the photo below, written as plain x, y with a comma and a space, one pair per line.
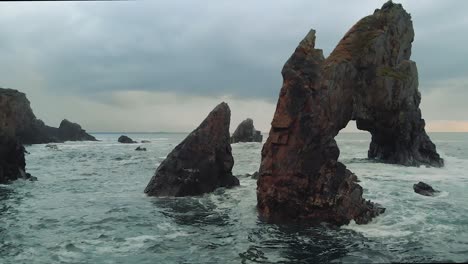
246, 132
370, 78
201, 163
30, 130
12, 160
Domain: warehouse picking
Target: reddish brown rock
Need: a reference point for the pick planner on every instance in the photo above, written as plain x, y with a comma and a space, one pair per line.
368, 78
201, 163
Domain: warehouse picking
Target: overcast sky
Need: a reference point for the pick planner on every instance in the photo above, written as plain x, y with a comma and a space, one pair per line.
163, 65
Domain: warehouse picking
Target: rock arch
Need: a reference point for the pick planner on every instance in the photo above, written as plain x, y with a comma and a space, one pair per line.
370, 78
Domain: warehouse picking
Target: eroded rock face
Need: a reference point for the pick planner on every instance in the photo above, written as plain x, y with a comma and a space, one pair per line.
12, 160
378, 83
201, 163
30, 130
126, 140
368, 78
246, 132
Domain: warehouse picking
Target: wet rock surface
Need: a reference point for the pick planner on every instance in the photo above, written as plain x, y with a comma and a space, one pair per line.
246, 132
424, 189
126, 140
201, 163
12, 160
140, 149
370, 78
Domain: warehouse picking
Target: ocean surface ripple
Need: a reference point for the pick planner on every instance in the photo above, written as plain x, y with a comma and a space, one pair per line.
88, 206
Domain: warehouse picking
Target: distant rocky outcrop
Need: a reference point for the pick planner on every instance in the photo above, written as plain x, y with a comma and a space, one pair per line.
126, 140
370, 78
424, 189
30, 130
201, 163
246, 132
69, 131
140, 149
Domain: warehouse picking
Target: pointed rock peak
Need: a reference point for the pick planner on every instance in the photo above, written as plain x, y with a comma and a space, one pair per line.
201, 163
389, 6
309, 40
248, 121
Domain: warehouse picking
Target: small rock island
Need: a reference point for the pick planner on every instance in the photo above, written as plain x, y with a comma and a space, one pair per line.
201, 163
126, 140
246, 132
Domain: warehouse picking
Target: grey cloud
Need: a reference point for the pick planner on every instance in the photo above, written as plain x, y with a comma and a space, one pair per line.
212, 48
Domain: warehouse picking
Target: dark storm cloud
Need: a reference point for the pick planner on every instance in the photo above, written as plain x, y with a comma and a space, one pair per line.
207, 48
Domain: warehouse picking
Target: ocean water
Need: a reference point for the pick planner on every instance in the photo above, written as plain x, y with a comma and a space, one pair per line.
88, 206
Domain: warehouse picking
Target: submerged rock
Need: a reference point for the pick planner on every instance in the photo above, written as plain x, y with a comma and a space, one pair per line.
246, 132
201, 163
140, 149
52, 146
370, 78
145, 141
424, 189
126, 140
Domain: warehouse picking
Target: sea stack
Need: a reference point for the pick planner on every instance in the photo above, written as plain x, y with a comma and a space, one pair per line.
246, 132
370, 78
201, 163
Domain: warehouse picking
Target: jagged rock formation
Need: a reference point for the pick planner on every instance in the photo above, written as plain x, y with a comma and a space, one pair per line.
370, 78
126, 140
201, 163
424, 189
246, 132
30, 130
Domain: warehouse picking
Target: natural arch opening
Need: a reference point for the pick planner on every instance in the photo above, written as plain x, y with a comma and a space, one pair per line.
353, 144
